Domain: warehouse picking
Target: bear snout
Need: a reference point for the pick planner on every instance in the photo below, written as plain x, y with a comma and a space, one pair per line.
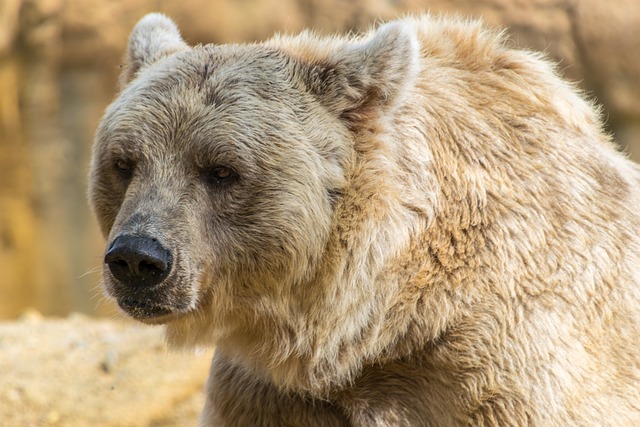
138, 261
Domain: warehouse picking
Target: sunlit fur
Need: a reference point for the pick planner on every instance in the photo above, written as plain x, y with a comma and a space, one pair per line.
430, 228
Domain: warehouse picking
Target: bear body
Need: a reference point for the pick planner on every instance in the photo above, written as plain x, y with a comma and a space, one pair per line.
418, 226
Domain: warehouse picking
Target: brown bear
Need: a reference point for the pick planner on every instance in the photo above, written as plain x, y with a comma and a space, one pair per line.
416, 226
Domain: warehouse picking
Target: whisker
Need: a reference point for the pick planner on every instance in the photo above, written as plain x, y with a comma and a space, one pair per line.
97, 269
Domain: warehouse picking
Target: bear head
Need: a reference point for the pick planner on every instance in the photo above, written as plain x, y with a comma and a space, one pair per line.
217, 171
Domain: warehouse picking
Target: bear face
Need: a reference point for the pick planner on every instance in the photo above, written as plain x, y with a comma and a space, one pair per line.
217, 170
221, 165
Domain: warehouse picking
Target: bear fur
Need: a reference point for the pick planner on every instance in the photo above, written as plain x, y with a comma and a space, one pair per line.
417, 226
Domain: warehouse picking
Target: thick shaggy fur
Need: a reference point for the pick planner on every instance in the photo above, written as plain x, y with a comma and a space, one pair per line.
424, 227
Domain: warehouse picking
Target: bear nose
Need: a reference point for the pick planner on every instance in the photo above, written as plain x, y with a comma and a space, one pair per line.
138, 260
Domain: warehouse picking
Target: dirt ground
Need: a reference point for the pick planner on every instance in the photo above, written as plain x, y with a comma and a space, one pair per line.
80, 371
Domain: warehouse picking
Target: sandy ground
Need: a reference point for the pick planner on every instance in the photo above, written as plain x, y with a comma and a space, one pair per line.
80, 371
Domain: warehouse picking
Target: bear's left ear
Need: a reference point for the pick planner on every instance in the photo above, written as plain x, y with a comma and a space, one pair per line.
356, 77
154, 37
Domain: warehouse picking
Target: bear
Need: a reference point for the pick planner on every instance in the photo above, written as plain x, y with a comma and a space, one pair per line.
419, 225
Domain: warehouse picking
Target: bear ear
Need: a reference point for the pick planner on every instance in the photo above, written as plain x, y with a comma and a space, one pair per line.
365, 75
154, 37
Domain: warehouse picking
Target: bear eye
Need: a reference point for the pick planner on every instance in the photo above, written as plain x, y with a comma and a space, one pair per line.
124, 166
220, 175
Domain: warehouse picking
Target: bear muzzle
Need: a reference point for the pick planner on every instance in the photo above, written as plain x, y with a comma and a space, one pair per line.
139, 265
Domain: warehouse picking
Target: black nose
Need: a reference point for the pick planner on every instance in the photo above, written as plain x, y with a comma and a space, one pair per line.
138, 260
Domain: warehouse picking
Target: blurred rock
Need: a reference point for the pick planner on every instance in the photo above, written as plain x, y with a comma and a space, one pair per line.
608, 36
30, 316
52, 374
9, 12
42, 20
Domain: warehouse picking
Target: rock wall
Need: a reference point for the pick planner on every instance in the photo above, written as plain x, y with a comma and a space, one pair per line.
59, 62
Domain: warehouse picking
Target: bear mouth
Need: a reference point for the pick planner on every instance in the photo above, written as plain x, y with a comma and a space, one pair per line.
144, 310
159, 304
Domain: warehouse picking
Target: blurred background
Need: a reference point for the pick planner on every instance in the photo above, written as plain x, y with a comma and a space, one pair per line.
59, 63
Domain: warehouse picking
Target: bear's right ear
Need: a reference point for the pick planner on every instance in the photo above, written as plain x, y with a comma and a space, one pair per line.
154, 37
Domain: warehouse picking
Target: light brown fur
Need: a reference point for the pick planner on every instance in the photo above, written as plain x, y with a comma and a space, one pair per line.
428, 227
